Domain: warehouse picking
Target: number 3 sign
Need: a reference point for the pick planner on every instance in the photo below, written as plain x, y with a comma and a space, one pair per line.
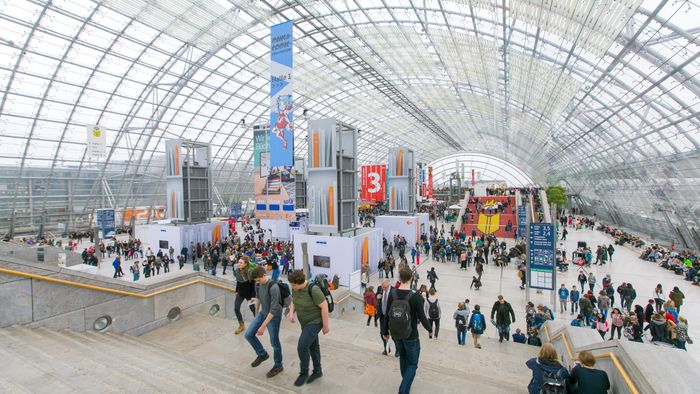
373, 179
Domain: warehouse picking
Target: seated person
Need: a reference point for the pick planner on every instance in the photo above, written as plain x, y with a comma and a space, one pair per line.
533, 339
519, 337
587, 379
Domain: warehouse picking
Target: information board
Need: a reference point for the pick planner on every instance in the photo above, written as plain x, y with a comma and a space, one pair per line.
522, 220
541, 256
105, 222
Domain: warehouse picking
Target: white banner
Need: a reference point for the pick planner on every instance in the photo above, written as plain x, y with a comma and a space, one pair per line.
96, 140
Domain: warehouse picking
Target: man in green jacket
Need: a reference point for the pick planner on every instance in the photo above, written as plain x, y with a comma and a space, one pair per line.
311, 309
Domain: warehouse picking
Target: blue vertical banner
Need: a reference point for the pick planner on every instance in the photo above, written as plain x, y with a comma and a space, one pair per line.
522, 220
541, 256
281, 100
105, 222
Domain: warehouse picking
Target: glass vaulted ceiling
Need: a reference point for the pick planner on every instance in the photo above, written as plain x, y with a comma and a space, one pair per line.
600, 94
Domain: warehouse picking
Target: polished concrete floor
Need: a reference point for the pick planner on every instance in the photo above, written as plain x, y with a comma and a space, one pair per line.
453, 284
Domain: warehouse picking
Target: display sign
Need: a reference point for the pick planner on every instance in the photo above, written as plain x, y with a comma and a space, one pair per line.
373, 181
281, 100
260, 144
541, 256
522, 220
96, 140
105, 222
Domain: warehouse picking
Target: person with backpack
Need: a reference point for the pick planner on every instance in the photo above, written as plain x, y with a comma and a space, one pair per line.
477, 325
269, 300
404, 310
245, 289
434, 312
548, 374
461, 316
311, 308
504, 316
432, 277
584, 379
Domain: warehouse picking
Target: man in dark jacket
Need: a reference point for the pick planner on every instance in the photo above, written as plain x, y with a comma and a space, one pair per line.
504, 316
408, 348
382, 301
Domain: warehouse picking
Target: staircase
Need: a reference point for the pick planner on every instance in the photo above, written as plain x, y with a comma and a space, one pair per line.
200, 353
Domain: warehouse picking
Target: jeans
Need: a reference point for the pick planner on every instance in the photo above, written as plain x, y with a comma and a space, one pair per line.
273, 328
604, 312
409, 351
613, 329
562, 304
136, 276
461, 337
503, 332
308, 346
574, 307
275, 275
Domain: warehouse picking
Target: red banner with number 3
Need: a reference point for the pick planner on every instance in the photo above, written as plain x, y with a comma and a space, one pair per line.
373, 180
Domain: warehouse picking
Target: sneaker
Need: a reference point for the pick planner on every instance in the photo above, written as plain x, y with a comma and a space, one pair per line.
274, 371
259, 360
384, 353
240, 329
314, 376
301, 379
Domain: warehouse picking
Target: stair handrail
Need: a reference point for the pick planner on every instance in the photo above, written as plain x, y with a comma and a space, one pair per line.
109, 290
616, 362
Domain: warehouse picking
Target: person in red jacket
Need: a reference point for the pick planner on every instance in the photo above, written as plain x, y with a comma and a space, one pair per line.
371, 305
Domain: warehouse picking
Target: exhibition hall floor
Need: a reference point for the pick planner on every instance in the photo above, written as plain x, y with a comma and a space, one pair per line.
453, 285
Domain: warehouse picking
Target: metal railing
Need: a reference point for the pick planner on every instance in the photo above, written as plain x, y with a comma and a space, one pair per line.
616, 362
109, 290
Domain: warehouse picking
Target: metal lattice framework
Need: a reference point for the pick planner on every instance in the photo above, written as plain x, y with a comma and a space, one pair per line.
602, 95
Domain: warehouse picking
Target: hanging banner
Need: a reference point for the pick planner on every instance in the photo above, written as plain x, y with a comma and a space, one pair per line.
96, 141
373, 181
274, 188
260, 144
541, 256
430, 181
281, 101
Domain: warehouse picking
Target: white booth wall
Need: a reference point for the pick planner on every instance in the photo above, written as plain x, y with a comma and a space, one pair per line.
276, 228
406, 226
423, 223
342, 254
181, 235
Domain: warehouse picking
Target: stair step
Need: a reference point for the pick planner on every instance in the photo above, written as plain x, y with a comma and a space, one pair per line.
78, 372
20, 370
113, 372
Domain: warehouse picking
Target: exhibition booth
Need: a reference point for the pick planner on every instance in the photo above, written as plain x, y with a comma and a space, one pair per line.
163, 236
409, 227
342, 256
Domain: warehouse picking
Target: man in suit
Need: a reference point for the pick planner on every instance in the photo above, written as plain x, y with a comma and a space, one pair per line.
382, 301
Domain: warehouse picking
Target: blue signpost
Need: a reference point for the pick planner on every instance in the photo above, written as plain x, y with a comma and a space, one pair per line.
542, 264
522, 220
105, 222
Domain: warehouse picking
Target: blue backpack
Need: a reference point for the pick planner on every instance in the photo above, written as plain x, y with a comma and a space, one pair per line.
477, 323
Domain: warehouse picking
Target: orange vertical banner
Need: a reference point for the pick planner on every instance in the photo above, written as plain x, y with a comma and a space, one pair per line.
315, 150
331, 208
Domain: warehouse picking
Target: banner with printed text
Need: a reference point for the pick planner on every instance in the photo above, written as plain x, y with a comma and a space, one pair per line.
281, 100
373, 181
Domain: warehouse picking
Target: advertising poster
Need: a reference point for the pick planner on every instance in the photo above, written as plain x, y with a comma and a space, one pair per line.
281, 99
522, 220
373, 182
541, 256
274, 187
173, 180
430, 181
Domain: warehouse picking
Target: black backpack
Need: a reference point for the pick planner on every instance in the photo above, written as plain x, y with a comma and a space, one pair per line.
552, 382
461, 322
285, 293
322, 284
400, 316
433, 310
